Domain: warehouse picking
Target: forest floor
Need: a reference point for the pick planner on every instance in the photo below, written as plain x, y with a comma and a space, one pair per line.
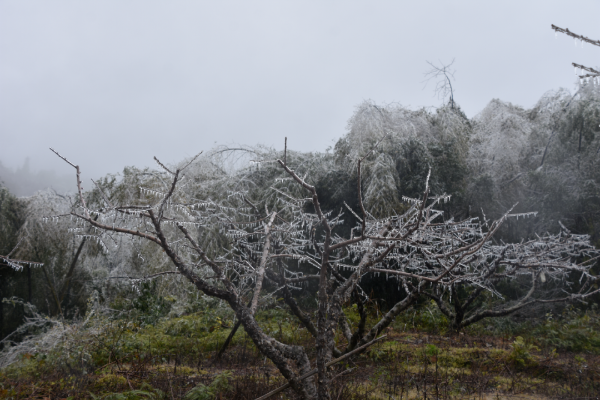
176, 359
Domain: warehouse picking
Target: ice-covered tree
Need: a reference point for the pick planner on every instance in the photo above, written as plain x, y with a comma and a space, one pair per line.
282, 241
566, 183
12, 217
52, 276
411, 142
501, 134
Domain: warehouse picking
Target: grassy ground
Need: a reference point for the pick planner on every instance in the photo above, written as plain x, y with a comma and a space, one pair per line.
175, 358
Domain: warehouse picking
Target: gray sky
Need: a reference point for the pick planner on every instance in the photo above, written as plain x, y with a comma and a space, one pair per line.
114, 83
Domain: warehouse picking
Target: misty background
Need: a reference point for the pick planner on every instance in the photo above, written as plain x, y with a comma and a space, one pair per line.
112, 84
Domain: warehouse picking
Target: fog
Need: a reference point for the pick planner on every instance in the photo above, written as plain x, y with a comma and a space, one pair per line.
111, 84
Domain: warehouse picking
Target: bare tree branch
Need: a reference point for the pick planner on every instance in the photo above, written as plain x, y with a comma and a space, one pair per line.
443, 87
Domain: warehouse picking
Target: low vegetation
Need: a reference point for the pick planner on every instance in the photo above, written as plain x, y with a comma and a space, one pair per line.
119, 355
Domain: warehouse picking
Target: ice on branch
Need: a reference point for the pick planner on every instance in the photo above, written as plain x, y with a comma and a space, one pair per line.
243, 237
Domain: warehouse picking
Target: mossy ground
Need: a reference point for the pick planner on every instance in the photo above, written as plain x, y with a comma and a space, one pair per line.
168, 359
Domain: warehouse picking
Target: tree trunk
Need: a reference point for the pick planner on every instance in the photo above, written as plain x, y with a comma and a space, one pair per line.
29, 284
459, 312
53, 291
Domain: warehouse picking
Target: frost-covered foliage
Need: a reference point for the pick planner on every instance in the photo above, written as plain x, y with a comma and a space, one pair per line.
381, 193
570, 175
500, 136
53, 335
407, 143
545, 159
12, 216
47, 248
575, 148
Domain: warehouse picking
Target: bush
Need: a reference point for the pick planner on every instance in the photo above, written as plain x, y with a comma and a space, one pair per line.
572, 331
521, 353
218, 385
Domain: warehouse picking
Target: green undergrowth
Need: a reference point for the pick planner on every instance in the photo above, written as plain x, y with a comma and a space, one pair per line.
146, 391
130, 358
520, 355
573, 330
189, 338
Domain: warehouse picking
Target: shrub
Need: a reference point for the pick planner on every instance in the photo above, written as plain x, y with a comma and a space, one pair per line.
218, 385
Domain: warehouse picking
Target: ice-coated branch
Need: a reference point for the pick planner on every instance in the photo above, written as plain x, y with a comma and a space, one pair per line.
143, 278
15, 263
79, 187
576, 36
593, 74
163, 166
103, 194
313, 192
116, 229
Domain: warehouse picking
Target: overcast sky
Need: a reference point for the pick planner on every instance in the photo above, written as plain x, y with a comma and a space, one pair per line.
114, 83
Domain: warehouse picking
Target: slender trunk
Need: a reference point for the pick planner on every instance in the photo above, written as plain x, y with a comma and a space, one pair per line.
389, 317
28, 284
451, 92
579, 149
230, 337
67, 283
324, 352
260, 273
52, 290
64, 290
360, 331
459, 313
228, 340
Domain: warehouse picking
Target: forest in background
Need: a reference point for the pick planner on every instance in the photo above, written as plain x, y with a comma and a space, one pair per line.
23, 182
543, 159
